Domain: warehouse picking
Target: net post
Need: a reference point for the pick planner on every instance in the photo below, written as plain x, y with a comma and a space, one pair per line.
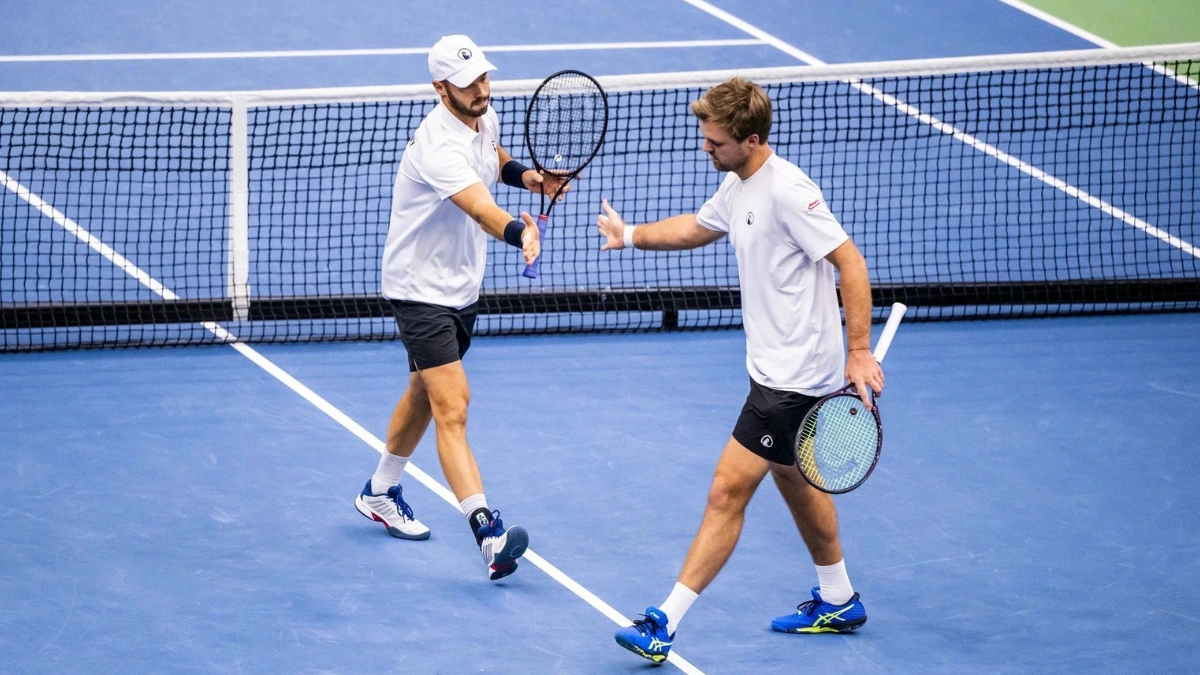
239, 210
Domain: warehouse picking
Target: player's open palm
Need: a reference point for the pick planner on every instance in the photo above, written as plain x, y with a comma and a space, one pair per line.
531, 239
612, 228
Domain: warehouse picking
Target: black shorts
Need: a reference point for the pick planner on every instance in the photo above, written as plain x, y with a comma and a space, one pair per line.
769, 422
434, 335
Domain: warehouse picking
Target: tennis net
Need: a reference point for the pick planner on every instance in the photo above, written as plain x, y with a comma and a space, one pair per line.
1022, 185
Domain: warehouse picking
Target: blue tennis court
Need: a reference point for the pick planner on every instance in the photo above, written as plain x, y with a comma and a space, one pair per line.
191, 509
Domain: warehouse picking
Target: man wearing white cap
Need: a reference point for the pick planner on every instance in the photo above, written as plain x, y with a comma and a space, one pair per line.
433, 264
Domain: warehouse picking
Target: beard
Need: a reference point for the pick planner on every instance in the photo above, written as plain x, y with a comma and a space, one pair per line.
721, 166
477, 110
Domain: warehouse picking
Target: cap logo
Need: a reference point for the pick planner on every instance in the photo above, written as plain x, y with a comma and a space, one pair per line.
465, 54
750, 218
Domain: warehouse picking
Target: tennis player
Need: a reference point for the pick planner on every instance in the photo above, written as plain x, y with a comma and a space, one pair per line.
788, 245
433, 264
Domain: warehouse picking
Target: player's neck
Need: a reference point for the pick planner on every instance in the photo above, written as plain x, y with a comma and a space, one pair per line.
755, 162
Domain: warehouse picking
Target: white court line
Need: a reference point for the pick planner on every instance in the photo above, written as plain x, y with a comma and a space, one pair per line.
1093, 38
383, 51
958, 134
312, 397
1061, 23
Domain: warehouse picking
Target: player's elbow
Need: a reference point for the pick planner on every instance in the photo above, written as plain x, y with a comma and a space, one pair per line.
848, 259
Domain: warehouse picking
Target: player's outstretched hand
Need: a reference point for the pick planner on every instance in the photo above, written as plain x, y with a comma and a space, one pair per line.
612, 228
531, 239
863, 371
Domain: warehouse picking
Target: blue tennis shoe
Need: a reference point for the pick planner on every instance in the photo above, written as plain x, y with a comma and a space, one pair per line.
818, 616
647, 637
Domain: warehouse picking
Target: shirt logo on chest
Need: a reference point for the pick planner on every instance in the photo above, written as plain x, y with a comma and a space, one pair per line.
750, 218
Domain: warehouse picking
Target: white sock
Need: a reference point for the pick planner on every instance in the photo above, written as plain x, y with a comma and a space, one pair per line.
835, 584
473, 502
677, 604
387, 473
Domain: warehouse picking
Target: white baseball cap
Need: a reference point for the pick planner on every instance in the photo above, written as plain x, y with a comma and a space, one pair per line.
458, 59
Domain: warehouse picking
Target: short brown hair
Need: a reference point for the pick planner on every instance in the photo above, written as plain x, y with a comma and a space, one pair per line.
740, 106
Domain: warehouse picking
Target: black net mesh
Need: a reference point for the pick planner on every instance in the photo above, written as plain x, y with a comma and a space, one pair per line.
1031, 192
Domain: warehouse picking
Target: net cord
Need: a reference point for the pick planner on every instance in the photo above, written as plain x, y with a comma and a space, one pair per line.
1151, 56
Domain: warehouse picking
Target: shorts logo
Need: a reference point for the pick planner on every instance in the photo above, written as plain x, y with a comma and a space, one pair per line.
767, 441
493, 146
750, 218
465, 54
813, 205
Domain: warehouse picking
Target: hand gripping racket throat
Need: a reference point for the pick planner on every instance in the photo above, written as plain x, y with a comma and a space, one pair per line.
564, 129
840, 439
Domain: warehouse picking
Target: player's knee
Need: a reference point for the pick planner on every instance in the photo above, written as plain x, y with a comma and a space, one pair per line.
451, 413
727, 496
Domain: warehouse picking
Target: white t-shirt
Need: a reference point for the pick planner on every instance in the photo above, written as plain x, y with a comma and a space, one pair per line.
435, 252
781, 231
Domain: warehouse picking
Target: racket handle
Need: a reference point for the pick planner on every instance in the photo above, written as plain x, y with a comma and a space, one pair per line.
531, 270
889, 331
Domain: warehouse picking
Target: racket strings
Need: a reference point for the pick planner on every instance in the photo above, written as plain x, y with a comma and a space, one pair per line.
567, 119
837, 446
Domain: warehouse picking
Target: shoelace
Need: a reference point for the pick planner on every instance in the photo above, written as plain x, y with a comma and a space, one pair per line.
496, 527
403, 506
646, 625
806, 608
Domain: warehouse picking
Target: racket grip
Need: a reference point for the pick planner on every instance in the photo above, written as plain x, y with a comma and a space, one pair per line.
889, 331
532, 269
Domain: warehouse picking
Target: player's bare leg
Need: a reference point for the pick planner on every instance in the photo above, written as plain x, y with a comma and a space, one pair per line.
813, 511
737, 477
382, 498
835, 607
410, 419
449, 397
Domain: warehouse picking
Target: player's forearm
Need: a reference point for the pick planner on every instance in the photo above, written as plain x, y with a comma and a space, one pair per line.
677, 233
856, 299
492, 219
477, 202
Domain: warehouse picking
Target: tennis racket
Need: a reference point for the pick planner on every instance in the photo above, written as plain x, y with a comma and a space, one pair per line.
839, 440
564, 129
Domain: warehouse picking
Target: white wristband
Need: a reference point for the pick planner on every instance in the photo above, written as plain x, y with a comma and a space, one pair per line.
628, 238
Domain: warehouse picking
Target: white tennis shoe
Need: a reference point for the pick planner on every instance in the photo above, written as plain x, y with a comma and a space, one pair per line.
391, 510
501, 547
